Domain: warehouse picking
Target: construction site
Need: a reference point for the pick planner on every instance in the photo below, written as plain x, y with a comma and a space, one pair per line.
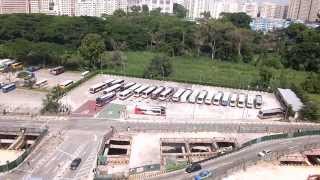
306, 158
193, 149
14, 143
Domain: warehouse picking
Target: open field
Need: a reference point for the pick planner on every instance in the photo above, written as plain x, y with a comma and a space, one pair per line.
203, 70
267, 171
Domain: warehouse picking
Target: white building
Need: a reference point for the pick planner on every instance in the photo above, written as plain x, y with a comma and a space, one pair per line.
65, 7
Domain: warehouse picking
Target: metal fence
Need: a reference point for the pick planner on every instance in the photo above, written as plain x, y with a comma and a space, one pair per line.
13, 164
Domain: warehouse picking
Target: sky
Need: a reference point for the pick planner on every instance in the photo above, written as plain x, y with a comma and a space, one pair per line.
276, 1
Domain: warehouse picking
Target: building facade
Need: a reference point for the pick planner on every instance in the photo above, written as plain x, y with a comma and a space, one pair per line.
305, 10
14, 6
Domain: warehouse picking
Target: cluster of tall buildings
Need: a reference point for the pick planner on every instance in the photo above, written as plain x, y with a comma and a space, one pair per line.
305, 10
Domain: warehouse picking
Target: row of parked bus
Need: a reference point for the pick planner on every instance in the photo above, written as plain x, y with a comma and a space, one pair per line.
112, 88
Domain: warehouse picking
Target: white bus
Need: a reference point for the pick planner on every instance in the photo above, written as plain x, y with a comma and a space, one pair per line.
65, 84
271, 113
127, 86
152, 110
225, 99
114, 88
125, 94
41, 83
185, 96
209, 98
176, 96
241, 100
146, 93
134, 87
118, 81
109, 82
101, 101
233, 100
193, 96
97, 87
155, 94
139, 91
202, 96
217, 98
250, 101
166, 94
258, 101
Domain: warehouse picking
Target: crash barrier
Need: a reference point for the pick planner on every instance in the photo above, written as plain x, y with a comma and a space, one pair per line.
13, 164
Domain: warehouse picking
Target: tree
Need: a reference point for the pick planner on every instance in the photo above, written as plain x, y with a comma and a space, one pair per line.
92, 46
51, 102
265, 77
312, 83
240, 20
310, 111
145, 9
179, 10
206, 15
135, 9
155, 12
119, 13
160, 66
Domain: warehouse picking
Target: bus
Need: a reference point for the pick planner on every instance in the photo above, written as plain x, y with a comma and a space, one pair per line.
57, 70
101, 101
151, 110
176, 96
127, 86
241, 100
65, 84
8, 87
109, 82
225, 99
139, 91
202, 96
217, 98
134, 87
125, 94
84, 74
250, 101
97, 87
41, 83
17, 66
233, 100
166, 93
118, 81
185, 96
271, 113
146, 93
258, 101
193, 96
209, 98
114, 88
155, 94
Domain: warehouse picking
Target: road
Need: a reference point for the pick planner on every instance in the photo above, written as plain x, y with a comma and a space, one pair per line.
221, 165
80, 137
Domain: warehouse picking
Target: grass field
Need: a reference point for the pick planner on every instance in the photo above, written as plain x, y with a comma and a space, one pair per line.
203, 70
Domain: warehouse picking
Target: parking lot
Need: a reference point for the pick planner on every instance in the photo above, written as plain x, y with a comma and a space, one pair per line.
21, 101
54, 80
174, 110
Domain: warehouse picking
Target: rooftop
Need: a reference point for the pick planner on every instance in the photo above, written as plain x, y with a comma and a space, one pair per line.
291, 98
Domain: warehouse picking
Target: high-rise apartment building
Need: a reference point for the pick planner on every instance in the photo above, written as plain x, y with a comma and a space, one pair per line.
65, 7
42, 6
273, 10
305, 10
14, 6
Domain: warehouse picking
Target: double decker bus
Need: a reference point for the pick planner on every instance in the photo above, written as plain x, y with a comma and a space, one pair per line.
101, 101
8, 87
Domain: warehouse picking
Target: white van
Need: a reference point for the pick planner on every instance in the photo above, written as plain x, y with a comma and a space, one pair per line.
209, 98
185, 96
250, 101
241, 100
202, 96
217, 98
193, 96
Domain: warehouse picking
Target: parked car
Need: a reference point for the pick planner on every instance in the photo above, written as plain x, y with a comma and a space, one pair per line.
193, 167
264, 153
75, 163
33, 68
203, 175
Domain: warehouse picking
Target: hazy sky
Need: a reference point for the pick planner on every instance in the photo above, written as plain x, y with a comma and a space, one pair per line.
277, 1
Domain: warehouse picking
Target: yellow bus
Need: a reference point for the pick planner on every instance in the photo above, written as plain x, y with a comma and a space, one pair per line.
17, 66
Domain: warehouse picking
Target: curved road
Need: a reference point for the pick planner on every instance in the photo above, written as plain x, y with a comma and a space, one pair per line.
222, 164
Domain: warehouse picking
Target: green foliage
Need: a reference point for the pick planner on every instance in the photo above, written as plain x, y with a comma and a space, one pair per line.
240, 20
179, 10
51, 102
265, 77
160, 66
119, 13
312, 83
92, 46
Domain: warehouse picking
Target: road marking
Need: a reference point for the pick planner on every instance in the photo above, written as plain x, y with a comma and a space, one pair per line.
95, 137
